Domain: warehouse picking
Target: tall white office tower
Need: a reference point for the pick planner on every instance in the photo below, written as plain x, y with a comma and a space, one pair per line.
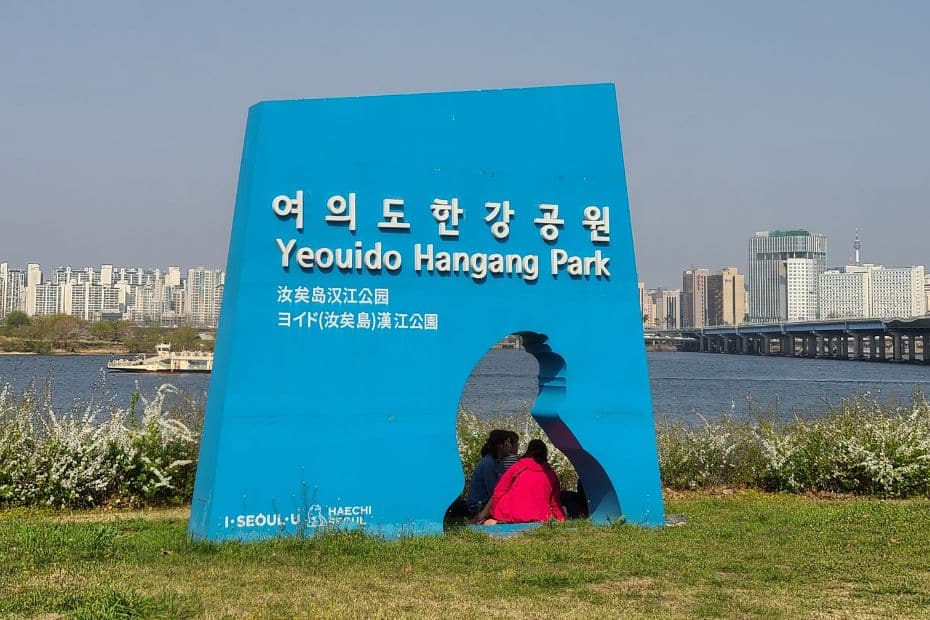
774, 281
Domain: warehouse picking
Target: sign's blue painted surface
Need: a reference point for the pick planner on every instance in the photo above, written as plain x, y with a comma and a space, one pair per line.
344, 344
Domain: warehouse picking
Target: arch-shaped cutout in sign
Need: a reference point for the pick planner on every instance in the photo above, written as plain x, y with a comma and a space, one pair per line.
380, 246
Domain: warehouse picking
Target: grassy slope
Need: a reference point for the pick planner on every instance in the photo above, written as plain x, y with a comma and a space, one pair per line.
740, 555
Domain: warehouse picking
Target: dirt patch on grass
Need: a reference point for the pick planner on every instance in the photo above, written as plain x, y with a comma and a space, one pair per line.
102, 515
712, 492
58, 579
631, 585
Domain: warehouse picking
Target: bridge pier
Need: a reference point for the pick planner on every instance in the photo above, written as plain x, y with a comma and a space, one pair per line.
897, 347
857, 347
926, 353
844, 346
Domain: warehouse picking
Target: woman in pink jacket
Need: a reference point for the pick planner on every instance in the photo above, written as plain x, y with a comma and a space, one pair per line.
528, 491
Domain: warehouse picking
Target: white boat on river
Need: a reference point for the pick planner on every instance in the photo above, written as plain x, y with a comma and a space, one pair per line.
166, 360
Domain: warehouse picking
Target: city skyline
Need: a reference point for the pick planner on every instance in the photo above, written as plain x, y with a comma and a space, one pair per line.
121, 147
670, 281
167, 297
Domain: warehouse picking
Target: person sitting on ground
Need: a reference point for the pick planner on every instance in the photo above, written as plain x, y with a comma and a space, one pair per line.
514, 455
488, 471
527, 492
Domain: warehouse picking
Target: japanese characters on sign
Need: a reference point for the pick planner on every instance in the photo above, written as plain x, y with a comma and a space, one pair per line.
305, 309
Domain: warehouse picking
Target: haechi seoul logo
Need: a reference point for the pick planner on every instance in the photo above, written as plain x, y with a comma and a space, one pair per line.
334, 516
317, 516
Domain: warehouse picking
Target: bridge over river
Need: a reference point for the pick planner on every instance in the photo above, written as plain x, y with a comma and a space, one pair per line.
892, 340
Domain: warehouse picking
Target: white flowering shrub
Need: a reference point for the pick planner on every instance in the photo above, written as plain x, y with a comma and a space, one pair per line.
862, 447
722, 453
146, 453
473, 431
95, 457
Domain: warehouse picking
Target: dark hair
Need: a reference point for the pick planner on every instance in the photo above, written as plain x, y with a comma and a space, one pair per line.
495, 439
514, 439
537, 451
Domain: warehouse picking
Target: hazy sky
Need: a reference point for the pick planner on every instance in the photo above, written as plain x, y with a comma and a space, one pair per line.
121, 122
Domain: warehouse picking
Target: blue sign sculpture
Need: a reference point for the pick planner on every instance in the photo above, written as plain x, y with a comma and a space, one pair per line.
380, 246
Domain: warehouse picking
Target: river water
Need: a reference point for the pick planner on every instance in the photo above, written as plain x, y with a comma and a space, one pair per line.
684, 385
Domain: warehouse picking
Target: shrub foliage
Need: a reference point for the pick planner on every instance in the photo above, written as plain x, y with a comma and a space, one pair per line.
123, 456
863, 447
146, 454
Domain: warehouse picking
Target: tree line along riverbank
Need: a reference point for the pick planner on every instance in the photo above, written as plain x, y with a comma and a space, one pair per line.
65, 334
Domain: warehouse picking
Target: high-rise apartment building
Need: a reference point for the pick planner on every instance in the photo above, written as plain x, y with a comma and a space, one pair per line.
645, 304
82, 298
726, 297
927, 291
873, 291
898, 293
204, 296
774, 281
667, 308
694, 298
846, 293
4, 272
142, 295
13, 285
33, 281
46, 299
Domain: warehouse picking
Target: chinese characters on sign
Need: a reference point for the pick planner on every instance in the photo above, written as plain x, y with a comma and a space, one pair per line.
342, 319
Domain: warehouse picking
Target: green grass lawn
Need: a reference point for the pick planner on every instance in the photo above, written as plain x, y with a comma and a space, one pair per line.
739, 555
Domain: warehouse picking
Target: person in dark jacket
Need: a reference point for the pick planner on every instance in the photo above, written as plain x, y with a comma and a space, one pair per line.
488, 470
